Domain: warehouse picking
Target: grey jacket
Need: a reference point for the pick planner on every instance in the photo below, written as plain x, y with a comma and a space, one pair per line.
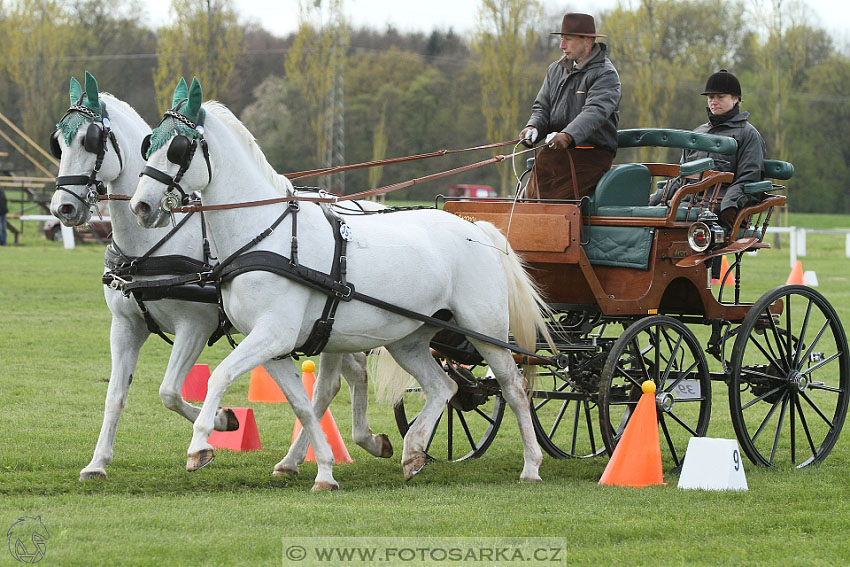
747, 164
581, 101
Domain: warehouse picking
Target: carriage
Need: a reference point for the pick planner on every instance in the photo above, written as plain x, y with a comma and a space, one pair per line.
630, 287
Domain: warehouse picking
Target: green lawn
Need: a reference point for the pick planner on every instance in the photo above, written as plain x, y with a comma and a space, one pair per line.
54, 360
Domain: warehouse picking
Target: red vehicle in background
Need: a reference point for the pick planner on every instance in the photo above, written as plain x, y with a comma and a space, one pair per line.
470, 191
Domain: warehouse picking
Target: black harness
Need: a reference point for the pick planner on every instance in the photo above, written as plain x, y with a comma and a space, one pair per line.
122, 268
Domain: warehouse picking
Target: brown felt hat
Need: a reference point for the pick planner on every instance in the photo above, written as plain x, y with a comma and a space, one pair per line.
578, 24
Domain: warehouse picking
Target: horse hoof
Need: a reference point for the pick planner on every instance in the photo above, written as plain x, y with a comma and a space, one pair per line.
323, 486
94, 474
200, 459
530, 479
414, 466
232, 421
281, 470
386, 446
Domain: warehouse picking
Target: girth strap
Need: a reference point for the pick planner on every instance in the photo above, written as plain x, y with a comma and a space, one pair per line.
263, 260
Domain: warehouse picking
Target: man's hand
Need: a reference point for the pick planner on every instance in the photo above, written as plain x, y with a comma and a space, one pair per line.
559, 140
528, 136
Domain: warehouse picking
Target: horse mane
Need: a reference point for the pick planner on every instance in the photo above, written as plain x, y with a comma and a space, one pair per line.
113, 101
279, 182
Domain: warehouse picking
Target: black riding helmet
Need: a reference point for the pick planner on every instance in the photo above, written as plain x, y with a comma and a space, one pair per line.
723, 82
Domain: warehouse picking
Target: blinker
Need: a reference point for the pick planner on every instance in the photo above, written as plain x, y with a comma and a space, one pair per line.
93, 141
146, 145
179, 150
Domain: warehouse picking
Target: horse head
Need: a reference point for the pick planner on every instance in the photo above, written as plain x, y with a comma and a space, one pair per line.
90, 153
171, 173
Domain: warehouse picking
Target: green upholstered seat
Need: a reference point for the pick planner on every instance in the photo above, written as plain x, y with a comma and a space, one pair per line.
622, 192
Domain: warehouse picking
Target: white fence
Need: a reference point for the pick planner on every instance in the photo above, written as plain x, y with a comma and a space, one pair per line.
797, 239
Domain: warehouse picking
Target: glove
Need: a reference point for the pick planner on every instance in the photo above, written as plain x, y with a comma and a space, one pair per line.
529, 136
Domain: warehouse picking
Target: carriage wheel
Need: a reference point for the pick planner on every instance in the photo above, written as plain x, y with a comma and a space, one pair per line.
790, 374
470, 422
663, 350
565, 417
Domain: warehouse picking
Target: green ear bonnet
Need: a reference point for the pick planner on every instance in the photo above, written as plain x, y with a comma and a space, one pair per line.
185, 116
85, 107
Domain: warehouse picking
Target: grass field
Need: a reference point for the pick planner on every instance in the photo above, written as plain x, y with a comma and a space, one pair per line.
54, 360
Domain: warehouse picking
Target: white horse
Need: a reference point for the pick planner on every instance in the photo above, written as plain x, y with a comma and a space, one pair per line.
190, 322
427, 261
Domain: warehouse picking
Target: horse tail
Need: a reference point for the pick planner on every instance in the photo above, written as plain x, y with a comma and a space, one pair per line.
526, 308
390, 379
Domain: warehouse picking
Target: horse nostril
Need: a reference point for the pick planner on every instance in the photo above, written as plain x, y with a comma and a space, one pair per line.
66, 210
143, 208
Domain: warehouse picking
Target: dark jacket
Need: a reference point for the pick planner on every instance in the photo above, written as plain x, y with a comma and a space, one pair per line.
581, 101
747, 164
4, 207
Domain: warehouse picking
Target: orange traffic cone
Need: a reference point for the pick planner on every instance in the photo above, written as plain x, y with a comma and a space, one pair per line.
729, 278
796, 275
637, 459
195, 385
263, 388
327, 422
246, 438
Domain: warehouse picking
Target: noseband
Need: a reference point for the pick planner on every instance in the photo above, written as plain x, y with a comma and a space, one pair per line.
94, 142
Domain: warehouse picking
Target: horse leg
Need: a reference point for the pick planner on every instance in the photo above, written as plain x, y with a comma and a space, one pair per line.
126, 338
288, 378
511, 381
324, 390
189, 341
413, 354
354, 372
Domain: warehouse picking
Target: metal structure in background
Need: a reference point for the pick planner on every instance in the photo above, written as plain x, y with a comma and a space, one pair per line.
335, 117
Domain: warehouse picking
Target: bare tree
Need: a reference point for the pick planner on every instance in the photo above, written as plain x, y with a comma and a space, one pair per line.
503, 41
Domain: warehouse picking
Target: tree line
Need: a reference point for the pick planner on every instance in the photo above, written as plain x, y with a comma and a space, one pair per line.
409, 93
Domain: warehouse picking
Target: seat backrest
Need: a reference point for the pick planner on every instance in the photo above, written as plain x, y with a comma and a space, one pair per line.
623, 185
777, 169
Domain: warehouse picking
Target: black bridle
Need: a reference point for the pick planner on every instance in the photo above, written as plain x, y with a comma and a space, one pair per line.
181, 150
94, 142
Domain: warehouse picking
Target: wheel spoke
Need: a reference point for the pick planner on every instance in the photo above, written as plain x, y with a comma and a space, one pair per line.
821, 363
817, 339
793, 432
589, 426
801, 340
433, 433
778, 428
670, 362
682, 376
465, 426
576, 421
628, 377
760, 398
558, 419
669, 441
764, 421
484, 415
450, 431
779, 346
750, 371
641, 362
805, 425
817, 409
683, 424
768, 355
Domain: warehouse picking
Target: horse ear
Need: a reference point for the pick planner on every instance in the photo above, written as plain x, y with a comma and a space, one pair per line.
91, 92
76, 90
195, 98
180, 92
